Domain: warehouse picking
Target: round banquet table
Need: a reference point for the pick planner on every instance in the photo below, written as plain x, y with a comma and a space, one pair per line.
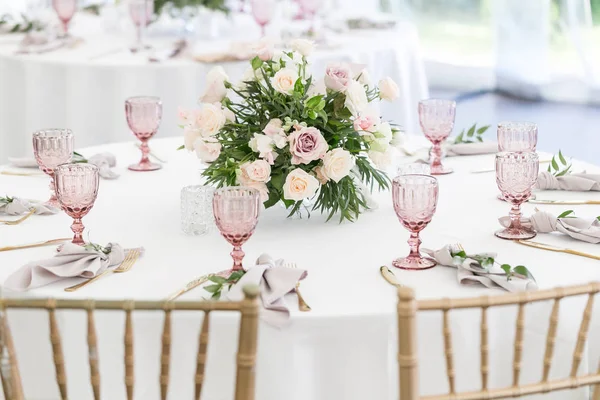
345, 347
84, 88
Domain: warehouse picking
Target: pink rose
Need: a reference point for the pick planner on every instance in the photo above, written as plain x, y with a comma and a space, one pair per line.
257, 171
275, 131
306, 145
366, 123
338, 76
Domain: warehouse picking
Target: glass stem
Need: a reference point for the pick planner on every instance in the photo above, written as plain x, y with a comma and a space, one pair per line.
77, 228
515, 217
414, 242
53, 200
263, 30
436, 154
65, 26
238, 255
145, 151
139, 36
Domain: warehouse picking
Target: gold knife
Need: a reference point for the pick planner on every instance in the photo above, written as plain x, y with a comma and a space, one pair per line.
550, 247
15, 173
389, 276
37, 244
563, 202
189, 286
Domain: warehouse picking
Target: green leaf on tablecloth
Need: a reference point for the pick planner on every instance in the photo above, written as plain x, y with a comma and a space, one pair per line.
181, 147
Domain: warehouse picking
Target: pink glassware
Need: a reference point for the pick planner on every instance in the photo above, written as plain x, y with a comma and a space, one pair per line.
516, 174
309, 9
415, 201
140, 12
236, 215
65, 9
517, 136
52, 147
144, 114
437, 121
77, 189
263, 11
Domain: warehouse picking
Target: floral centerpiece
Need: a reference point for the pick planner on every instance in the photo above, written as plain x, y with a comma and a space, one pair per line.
294, 137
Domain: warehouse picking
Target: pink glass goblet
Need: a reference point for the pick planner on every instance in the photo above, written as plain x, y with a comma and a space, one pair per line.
77, 189
437, 121
52, 147
236, 215
140, 12
309, 9
144, 114
415, 201
263, 11
517, 136
516, 174
65, 9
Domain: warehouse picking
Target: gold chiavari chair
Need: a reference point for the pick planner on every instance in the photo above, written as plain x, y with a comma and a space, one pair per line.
246, 355
408, 307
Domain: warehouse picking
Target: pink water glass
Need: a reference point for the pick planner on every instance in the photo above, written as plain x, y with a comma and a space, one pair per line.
52, 147
415, 200
65, 9
236, 212
437, 121
263, 11
141, 14
77, 189
516, 174
517, 136
144, 114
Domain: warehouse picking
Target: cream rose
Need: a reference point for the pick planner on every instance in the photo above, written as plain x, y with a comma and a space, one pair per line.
321, 177
258, 171
207, 149
215, 86
184, 116
284, 80
303, 46
337, 164
209, 119
229, 115
190, 135
263, 145
299, 185
356, 98
388, 89
274, 130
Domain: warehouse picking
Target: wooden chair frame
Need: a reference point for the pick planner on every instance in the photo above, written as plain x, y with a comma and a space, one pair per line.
408, 307
246, 355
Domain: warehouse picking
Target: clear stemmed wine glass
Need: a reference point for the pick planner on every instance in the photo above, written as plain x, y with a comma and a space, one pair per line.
65, 9
437, 121
236, 215
516, 174
415, 200
517, 136
140, 12
263, 11
77, 189
144, 114
52, 147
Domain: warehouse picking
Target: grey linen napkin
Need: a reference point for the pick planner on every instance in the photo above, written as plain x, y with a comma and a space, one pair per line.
20, 206
70, 261
471, 272
584, 229
573, 182
275, 281
471, 149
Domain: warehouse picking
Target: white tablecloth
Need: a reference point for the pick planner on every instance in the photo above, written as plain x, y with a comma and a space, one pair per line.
66, 89
345, 347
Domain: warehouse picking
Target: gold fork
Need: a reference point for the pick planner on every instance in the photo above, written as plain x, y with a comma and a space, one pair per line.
301, 303
18, 221
130, 259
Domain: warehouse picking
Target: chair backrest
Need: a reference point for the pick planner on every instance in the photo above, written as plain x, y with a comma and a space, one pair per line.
408, 307
246, 355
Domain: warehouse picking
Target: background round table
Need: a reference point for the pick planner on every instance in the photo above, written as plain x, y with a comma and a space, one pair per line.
84, 88
345, 348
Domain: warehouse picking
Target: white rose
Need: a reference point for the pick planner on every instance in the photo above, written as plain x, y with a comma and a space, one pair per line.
364, 77
381, 160
284, 80
229, 115
263, 145
258, 171
303, 46
265, 48
299, 185
290, 62
215, 86
248, 76
316, 88
388, 90
337, 164
209, 119
207, 149
190, 135
384, 131
356, 98
274, 130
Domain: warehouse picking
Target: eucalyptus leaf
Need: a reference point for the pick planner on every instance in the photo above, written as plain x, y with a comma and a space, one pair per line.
471, 131
565, 214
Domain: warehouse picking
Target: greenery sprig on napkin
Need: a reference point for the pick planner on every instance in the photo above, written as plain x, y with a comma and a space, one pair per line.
6, 199
566, 214
472, 135
23, 26
216, 5
485, 262
219, 283
561, 169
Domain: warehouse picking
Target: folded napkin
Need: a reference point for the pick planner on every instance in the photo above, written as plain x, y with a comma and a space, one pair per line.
470, 149
574, 182
70, 261
104, 162
275, 281
470, 271
584, 229
21, 206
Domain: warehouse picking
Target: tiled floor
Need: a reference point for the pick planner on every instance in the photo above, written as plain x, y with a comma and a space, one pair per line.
575, 129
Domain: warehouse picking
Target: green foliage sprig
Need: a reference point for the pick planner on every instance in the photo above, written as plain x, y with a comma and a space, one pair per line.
561, 169
216, 5
472, 135
97, 247
485, 261
219, 283
6, 200
24, 26
571, 214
